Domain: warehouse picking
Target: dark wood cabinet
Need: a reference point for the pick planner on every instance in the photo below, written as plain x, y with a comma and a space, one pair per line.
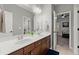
37, 43
45, 45
48, 43
36, 51
39, 47
28, 49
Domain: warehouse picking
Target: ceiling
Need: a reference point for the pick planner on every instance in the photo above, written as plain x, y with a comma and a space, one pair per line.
30, 7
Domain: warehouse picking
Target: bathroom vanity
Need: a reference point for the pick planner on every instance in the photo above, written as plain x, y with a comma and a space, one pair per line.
36, 48
34, 45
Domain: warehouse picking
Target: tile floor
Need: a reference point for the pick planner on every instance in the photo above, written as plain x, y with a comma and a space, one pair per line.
63, 46
64, 50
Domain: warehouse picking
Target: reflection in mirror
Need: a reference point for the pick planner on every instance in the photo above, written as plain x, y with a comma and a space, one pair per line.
5, 23
8, 22
1, 21
27, 25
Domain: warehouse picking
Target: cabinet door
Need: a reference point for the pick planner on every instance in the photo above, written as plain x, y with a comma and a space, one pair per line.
48, 43
44, 48
37, 43
36, 51
45, 45
18, 52
37, 48
28, 49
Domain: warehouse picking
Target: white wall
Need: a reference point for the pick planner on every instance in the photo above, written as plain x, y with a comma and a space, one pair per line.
41, 20
76, 25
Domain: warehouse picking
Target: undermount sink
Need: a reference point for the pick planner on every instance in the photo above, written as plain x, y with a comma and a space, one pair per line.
27, 38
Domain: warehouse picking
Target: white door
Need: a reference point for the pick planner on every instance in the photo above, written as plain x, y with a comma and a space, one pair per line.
8, 22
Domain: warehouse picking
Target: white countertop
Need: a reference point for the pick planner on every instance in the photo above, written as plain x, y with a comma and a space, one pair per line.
9, 46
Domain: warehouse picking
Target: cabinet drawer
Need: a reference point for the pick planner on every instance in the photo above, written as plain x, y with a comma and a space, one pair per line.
37, 43
28, 48
18, 52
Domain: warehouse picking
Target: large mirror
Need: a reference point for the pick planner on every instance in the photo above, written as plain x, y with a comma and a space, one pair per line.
12, 24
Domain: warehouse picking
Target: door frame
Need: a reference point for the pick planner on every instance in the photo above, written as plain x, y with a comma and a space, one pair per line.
54, 37
70, 46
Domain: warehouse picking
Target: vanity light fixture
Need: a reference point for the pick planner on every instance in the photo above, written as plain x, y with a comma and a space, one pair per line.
37, 10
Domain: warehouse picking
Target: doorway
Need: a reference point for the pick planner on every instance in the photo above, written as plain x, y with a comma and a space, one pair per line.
62, 25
